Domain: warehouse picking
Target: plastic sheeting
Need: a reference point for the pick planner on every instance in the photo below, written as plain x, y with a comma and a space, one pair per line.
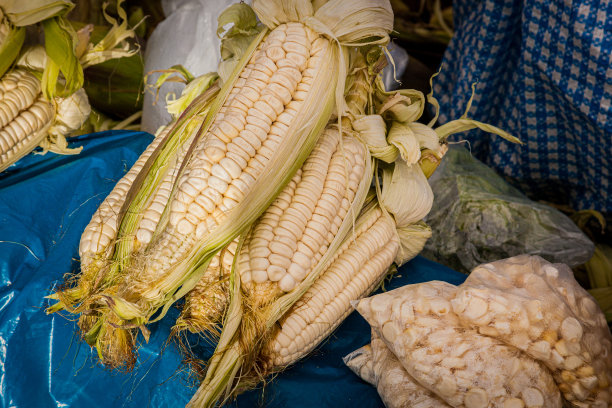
477, 217
45, 203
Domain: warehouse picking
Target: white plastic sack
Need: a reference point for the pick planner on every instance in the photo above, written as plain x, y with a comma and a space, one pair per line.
188, 36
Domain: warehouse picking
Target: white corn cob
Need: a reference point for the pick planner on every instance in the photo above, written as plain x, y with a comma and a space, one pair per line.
539, 308
242, 139
459, 365
25, 116
295, 231
102, 229
356, 269
288, 245
152, 213
18, 90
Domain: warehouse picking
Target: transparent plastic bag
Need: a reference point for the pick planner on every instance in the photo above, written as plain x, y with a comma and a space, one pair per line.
477, 217
395, 386
394, 71
538, 307
377, 365
360, 362
458, 364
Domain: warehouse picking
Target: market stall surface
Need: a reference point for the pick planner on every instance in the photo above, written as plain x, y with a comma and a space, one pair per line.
45, 204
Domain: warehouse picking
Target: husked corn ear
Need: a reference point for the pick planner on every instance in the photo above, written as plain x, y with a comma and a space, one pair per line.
25, 131
152, 213
295, 231
462, 367
357, 268
206, 302
241, 140
267, 292
102, 229
24, 116
18, 90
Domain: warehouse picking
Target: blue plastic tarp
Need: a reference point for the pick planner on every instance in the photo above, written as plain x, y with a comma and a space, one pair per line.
45, 203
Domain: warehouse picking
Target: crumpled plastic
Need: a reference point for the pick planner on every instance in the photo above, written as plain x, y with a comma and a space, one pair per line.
188, 36
477, 217
394, 71
45, 203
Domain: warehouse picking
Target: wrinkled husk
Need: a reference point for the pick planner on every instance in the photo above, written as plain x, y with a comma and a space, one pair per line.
11, 40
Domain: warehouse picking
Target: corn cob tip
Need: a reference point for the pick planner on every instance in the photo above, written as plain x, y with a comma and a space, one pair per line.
113, 343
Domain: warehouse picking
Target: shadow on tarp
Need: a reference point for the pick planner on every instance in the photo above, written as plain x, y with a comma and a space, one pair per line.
45, 203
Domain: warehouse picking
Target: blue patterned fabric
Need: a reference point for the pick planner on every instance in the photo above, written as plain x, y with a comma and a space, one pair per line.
544, 73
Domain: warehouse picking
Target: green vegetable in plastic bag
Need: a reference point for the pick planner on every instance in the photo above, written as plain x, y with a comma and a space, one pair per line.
477, 217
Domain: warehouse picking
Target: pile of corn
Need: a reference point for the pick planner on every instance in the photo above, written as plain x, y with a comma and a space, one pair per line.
42, 100
256, 203
520, 332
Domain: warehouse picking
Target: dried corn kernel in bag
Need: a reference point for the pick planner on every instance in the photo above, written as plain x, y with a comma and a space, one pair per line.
538, 307
360, 362
459, 365
377, 365
395, 386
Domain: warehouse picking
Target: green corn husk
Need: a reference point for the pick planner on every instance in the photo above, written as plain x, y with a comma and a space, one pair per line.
192, 90
603, 296
88, 11
60, 46
244, 28
11, 41
23, 13
599, 267
115, 87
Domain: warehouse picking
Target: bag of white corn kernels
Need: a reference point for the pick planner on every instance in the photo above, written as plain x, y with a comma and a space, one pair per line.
377, 365
360, 362
538, 307
459, 365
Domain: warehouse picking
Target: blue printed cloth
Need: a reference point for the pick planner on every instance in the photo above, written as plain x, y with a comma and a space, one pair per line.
544, 73
45, 203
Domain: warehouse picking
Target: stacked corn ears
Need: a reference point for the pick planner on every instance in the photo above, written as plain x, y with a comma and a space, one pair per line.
41, 96
256, 203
